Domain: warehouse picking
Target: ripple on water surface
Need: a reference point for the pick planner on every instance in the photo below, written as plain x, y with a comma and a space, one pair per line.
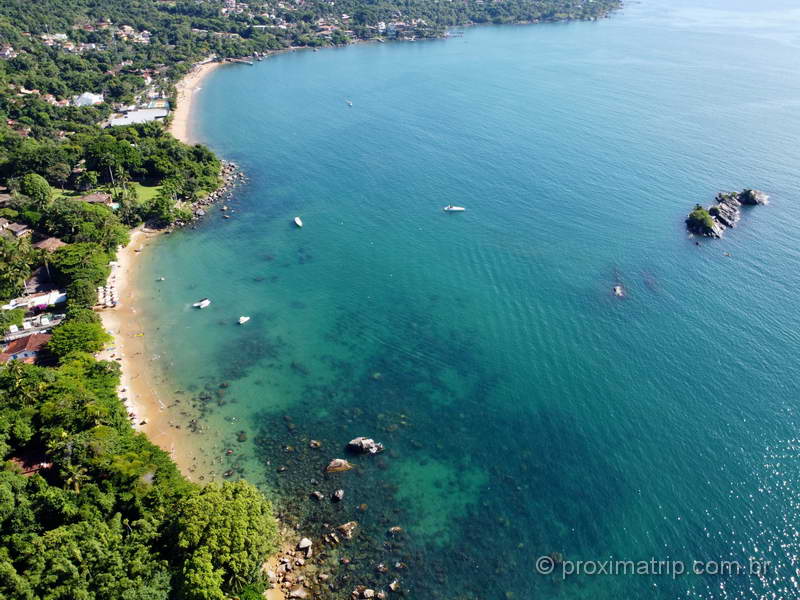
525, 410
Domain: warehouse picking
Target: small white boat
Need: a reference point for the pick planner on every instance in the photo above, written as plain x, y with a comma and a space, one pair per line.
349, 102
298, 221
243, 320
202, 303
451, 208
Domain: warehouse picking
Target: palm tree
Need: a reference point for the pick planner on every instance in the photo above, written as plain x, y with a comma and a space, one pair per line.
77, 476
16, 257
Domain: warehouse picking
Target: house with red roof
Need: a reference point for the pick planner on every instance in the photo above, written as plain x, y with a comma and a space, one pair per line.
26, 349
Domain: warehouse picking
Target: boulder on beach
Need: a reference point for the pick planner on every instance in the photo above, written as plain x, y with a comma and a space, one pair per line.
298, 592
364, 445
337, 465
304, 543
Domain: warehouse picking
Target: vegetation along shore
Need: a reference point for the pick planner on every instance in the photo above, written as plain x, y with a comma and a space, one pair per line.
95, 160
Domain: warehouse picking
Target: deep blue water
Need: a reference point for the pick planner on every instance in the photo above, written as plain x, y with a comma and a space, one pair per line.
525, 409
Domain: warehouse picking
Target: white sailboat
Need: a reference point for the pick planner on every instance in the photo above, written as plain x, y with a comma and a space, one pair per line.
202, 303
243, 320
298, 221
451, 208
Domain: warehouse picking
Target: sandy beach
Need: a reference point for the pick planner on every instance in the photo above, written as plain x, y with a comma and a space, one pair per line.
142, 388
180, 126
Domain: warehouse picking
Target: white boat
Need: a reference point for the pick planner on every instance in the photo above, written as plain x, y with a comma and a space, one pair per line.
451, 208
349, 102
243, 320
298, 221
202, 303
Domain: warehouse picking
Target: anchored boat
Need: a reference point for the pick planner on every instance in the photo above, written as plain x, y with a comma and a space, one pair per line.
298, 221
202, 303
451, 208
243, 320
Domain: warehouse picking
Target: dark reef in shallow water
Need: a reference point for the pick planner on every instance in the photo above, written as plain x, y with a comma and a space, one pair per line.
427, 509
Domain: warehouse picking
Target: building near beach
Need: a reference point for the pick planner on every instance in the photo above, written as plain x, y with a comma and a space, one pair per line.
98, 198
50, 244
26, 349
87, 99
140, 115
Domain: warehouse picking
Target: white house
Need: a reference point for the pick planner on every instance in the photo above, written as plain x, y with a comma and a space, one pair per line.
87, 99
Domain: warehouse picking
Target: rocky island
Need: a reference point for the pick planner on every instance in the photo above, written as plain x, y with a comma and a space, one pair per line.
724, 213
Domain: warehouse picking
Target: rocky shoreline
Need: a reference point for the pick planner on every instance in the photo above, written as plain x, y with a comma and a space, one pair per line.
724, 213
328, 561
232, 176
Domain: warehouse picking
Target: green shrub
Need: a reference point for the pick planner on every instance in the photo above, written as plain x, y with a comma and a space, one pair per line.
700, 217
11, 317
81, 293
37, 189
84, 261
74, 336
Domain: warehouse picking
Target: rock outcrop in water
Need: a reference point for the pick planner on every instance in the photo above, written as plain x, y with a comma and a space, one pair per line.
364, 445
338, 465
724, 214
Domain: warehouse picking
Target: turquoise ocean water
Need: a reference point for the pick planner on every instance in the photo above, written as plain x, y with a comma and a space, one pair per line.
525, 409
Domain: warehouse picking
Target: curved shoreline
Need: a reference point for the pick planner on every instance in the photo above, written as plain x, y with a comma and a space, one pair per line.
180, 126
141, 386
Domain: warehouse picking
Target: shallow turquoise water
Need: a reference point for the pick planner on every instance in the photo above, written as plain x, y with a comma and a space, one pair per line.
525, 409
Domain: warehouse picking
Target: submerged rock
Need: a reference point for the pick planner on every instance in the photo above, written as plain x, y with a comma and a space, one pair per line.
337, 465
364, 445
347, 529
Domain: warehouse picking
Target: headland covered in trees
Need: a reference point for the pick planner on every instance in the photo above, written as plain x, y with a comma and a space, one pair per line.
89, 507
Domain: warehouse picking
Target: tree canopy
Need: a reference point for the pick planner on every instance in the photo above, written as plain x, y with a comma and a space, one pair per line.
111, 518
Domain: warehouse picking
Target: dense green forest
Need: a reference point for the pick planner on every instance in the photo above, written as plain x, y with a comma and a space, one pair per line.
89, 508
108, 515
